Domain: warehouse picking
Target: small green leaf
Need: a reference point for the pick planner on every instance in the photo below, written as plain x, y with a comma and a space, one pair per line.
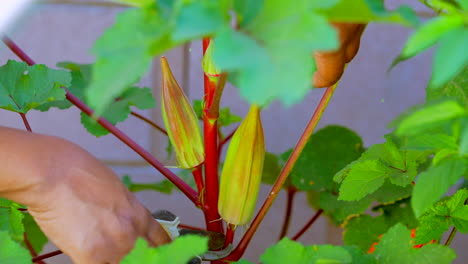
429, 33
163, 186
430, 116
11, 252
435, 182
430, 141
24, 87
180, 251
396, 247
227, 118
456, 88
364, 178
450, 56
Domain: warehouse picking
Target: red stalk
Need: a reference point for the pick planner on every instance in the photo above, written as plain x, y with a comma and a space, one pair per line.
25, 121
31, 249
48, 255
231, 229
308, 225
287, 217
184, 187
242, 246
198, 177
210, 135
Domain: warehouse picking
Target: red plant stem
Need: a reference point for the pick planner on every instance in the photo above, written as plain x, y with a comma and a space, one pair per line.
308, 225
198, 177
237, 253
178, 182
48, 255
210, 134
25, 121
149, 122
31, 248
287, 217
231, 230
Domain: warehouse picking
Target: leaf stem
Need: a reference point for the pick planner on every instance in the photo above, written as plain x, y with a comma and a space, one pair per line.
149, 122
242, 246
291, 193
31, 248
184, 187
48, 255
210, 134
308, 224
25, 121
452, 234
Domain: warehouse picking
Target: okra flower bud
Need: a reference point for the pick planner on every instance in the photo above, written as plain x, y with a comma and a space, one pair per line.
242, 171
180, 120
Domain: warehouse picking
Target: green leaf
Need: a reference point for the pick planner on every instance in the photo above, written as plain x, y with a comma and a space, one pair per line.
339, 211
327, 152
398, 212
291, 252
430, 33
456, 88
124, 54
119, 110
163, 186
35, 235
364, 11
247, 10
198, 19
434, 182
450, 56
24, 87
271, 168
359, 257
329, 254
364, 230
430, 141
464, 138
364, 178
445, 213
80, 78
11, 252
396, 247
260, 67
12, 222
139, 3
227, 118
430, 116
180, 251
389, 193
286, 251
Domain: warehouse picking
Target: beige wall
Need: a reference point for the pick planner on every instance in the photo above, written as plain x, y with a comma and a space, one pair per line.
367, 99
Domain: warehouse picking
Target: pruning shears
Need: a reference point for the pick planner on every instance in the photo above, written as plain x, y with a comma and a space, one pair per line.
170, 223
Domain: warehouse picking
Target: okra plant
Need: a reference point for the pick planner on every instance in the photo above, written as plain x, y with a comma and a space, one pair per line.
272, 50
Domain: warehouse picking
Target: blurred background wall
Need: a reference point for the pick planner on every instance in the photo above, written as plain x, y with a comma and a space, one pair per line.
367, 99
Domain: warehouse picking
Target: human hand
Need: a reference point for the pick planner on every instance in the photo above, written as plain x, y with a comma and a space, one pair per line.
79, 203
330, 64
